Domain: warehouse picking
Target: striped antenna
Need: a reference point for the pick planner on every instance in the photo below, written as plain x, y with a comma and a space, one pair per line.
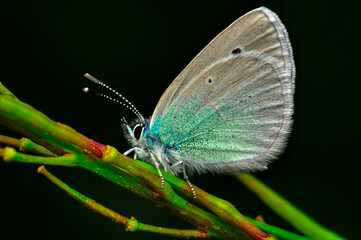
123, 102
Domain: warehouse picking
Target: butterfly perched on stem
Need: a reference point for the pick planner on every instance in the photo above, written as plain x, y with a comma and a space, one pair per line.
229, 111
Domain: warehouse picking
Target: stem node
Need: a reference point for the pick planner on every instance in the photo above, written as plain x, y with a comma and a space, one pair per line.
132, 225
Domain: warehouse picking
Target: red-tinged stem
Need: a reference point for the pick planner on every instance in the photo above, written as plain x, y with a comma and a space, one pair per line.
9, 141
74, 149
26, 145
220, 207
11, 155
166, 197
149, 188
33, 124
131, 224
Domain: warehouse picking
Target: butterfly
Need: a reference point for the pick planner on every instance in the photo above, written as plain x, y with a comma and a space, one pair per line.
229, 111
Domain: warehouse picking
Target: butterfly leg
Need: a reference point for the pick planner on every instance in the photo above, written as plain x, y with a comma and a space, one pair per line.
157, 166
187, 179
133, 150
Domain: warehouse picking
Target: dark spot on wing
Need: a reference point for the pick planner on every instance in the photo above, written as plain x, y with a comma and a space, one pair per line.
210, 80
236, 51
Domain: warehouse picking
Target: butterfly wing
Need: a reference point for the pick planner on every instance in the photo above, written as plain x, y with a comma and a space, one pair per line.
230, 109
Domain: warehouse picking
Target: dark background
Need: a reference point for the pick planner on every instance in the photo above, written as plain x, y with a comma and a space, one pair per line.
138, 48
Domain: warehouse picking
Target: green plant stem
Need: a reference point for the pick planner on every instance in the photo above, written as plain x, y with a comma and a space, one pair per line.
25, 145
168, 199
130, 224
6, 92
286, 210
9, 141
11, 155
165, 198
35, 125
183, 188
220, 207
277, 231
70, 148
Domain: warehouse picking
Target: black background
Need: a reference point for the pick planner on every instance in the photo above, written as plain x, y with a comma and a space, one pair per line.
138, 48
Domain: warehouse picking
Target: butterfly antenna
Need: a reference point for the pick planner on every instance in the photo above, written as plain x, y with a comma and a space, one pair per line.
124, 101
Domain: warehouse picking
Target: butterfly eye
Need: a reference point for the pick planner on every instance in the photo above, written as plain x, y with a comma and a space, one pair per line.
137, 131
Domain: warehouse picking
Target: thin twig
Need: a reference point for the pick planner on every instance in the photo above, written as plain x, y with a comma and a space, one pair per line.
283, 234
286, 210
25, 145
130, 224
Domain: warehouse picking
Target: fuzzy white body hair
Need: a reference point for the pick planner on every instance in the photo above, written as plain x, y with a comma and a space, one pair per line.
143, 151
